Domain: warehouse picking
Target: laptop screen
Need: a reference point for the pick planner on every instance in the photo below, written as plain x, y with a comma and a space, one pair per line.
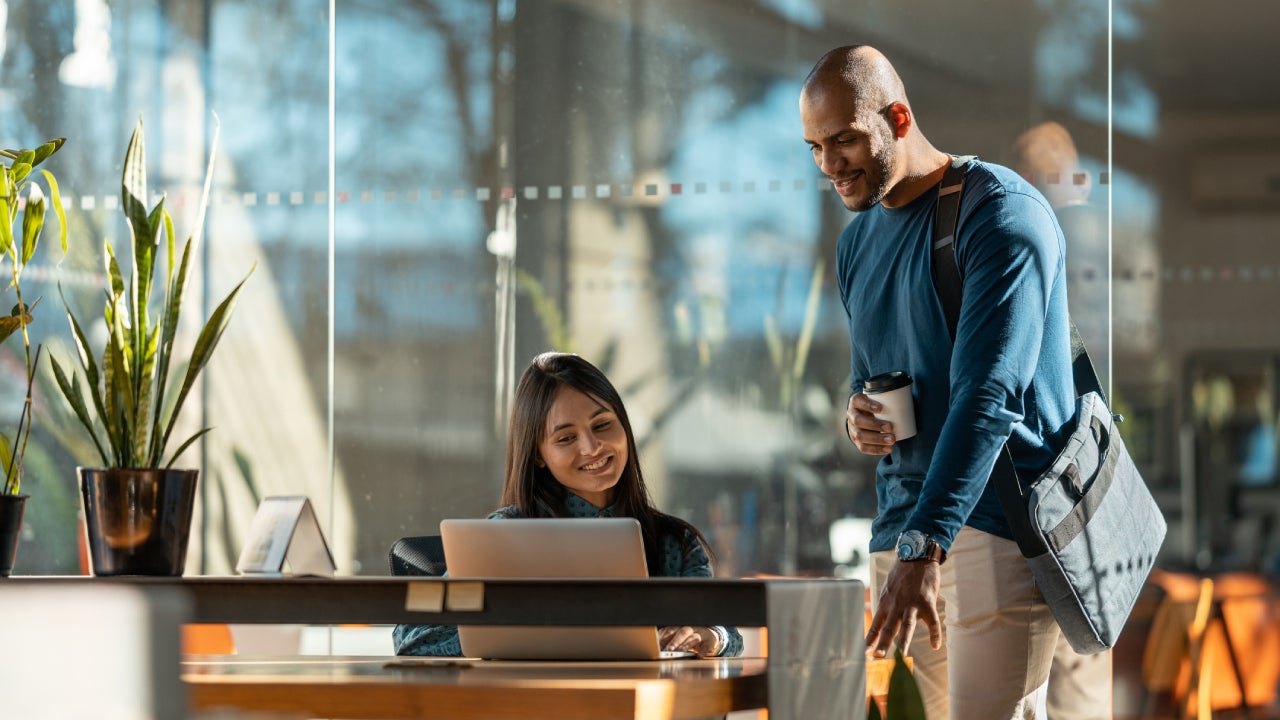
544, 548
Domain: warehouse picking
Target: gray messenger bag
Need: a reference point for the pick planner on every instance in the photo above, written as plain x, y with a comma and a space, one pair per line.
1087, 526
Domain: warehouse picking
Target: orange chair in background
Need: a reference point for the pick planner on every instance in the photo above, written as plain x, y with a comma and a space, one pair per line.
207, 639
1214, 643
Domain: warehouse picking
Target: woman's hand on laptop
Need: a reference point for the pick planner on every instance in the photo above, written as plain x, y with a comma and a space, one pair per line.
701, 640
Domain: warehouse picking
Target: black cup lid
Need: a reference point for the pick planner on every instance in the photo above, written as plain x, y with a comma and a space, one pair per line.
885, 382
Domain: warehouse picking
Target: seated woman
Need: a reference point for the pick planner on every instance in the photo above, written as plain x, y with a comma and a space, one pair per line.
571, 453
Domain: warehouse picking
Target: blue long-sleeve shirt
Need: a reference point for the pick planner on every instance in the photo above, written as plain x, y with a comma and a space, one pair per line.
681, 557
1008, 376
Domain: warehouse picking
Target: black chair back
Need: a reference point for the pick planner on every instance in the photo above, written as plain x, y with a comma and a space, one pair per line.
418, 555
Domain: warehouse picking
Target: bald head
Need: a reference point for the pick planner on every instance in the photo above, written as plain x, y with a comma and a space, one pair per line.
861, 70
862, 133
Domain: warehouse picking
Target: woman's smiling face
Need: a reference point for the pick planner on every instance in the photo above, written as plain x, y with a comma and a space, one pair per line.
584, 446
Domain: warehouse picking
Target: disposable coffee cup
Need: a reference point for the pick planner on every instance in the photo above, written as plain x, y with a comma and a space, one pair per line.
893, 391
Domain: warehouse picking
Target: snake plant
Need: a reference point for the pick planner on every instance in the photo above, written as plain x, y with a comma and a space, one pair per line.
129, 414
20, 174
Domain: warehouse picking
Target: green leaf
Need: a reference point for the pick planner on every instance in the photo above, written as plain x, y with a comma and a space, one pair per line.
904, 701
6, 459
9, 325
87, 361
71, 391
205, 345
56, 198
43, 152
178, 453
114, 274
208, 182
548, 312
116, 385
156, 221
164, 353
6, 230
168, 234
133, 186
121, 404
110, 404
143, 385
144, 258
16, 318
246, 471
32, 222
20, 171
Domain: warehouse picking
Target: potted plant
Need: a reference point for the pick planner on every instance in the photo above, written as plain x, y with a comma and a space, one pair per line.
137, 507
18, 243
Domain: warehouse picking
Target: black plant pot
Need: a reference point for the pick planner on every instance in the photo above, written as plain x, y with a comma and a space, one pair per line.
11, 507
137, 521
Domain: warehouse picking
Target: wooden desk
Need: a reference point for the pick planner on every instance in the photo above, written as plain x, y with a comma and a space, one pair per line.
816, 668
365, 688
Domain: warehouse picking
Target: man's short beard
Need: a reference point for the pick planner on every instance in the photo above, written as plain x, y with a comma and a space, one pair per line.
873, 200
884, 167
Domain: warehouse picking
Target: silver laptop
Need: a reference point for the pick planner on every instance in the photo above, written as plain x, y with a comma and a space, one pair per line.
550, 548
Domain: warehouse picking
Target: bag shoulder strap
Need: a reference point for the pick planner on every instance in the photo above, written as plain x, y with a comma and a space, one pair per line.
946, 275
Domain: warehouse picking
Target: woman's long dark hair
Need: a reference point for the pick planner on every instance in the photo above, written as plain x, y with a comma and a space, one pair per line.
535, 492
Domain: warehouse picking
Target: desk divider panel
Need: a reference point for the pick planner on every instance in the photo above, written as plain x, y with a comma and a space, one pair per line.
817, 661
95, 650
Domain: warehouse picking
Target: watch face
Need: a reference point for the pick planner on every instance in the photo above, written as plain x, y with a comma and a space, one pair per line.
911, 545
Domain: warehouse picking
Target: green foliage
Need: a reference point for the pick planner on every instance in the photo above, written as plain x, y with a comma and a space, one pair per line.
903, 701
130, 413
19, 247
548, 312
789, 361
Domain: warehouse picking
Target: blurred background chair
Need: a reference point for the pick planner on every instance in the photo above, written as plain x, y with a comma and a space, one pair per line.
418, 555
1214, 646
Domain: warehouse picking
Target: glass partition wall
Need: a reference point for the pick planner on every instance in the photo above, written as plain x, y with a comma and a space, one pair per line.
434, 191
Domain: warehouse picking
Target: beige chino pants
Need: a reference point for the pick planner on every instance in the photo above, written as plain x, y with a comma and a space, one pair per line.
998, 636
1079, 685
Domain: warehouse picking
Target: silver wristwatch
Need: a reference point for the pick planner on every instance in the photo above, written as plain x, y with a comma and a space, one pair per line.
722, 640
914, 546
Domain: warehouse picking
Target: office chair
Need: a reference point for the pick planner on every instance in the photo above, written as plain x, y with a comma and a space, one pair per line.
418, 555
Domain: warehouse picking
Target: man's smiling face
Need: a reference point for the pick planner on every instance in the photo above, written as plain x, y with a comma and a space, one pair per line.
855, 150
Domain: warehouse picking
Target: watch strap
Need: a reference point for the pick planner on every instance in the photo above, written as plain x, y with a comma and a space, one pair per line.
934, 552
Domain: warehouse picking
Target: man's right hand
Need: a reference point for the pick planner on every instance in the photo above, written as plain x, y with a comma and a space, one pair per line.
869, 434
909, 596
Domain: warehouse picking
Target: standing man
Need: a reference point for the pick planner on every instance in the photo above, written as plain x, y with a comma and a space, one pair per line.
942, 550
